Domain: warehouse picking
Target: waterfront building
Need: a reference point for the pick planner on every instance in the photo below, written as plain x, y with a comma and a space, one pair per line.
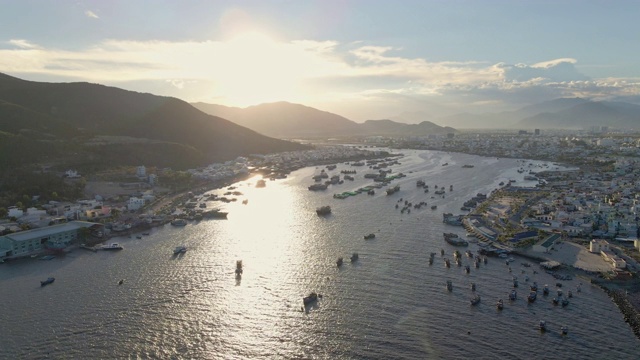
55, 237
598, 245
545, 245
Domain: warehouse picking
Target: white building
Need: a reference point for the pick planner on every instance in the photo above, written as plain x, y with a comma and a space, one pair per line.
135, 203
598, 245
72, 174
15, 212
141, 171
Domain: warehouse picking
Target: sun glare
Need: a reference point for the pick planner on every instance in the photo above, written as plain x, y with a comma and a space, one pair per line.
257, 69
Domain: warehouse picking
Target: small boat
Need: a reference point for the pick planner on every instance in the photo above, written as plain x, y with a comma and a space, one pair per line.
542, 325
500, 304
339, 262
239, 269
456, 254
579, 288
565, 302
145, 233
473, 286
324, 210
449, 285
467, 269
564, 330
555, 301
569, 293
441, 252
354, 257
180, 250
121, 282
447, 263
534, 286
433, 207
179, 222
532, 296
545, 290
431, 261
369, 236
112, 246
476, 264
48, 281
313, 297
484, 260
469, 253
475, 300
513, 295
515, 283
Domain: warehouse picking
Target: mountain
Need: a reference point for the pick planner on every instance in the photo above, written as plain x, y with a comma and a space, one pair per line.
586, 115
392, 128
287, 120
170, 132
568, 113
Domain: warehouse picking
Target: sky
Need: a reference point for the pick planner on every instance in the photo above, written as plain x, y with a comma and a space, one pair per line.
367, 59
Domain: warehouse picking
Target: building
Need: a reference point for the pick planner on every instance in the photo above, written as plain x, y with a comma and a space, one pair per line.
135, 203
55, 237
596, 246
545, 245
141, 171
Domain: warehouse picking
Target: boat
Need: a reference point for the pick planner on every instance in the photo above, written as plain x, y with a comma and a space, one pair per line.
532, 296
431, 261
473, 286
441, 252
393, 190
369, 236
534, 287
180, 250
433, 207
179, 222
455, 240
564, 302
449, 285
515, 283
121, 282
456, 254
354, 257
500, 304
317, 187
313, 297
215, 214
579, 288
467, 269
542, 325
555, 301
564, 330
339, 262
476, 264
545, 290
469, 253
324, 210
467, 166
475, 300
569, 293
239, 267
513, 295
112, 246
447, 263
48, 281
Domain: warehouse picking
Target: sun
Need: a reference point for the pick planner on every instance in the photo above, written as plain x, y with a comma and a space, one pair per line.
256, 69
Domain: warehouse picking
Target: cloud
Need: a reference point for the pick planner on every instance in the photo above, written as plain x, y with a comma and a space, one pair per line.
553, 70
23, 44
252, 68
91, 14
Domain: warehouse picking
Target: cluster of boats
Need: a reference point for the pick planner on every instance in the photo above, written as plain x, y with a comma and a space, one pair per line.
354, 257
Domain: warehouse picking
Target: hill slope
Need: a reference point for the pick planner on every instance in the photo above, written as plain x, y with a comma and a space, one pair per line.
72, 113
287, 120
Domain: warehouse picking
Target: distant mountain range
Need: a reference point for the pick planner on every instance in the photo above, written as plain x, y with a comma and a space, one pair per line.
56, 122
287, 120
563, 113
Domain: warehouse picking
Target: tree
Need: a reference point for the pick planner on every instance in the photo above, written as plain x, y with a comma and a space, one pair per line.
3, 212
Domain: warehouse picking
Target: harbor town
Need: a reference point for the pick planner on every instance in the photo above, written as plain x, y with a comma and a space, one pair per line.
572, 217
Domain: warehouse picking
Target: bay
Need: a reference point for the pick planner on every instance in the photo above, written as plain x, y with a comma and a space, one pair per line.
390, 304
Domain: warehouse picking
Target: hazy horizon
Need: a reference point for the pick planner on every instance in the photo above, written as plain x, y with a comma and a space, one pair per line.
359, 59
